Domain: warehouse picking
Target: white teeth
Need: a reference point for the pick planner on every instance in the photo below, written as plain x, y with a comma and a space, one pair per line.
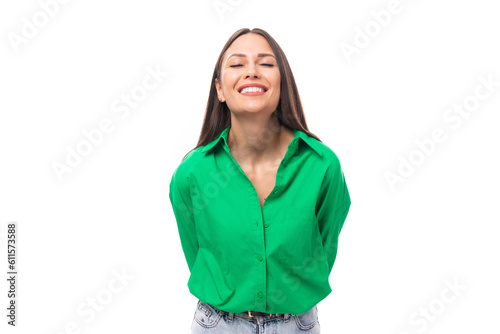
251, 89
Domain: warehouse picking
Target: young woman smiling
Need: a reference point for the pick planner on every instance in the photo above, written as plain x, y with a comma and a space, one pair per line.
260, 201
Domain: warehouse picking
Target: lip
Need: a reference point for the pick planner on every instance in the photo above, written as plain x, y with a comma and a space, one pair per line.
252, 85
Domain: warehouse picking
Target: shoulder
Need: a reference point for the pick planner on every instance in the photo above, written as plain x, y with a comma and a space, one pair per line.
188, 164
334, 174
328, 155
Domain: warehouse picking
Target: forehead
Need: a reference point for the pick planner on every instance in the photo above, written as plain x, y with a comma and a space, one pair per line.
249, 44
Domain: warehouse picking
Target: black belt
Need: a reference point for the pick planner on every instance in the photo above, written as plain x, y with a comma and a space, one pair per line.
262, 314
252, 314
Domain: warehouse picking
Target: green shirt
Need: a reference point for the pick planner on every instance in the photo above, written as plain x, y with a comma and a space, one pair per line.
276, 259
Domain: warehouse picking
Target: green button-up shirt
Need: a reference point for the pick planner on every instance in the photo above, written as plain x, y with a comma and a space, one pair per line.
276, 259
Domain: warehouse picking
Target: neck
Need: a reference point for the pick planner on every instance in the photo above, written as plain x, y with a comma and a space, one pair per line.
254, 140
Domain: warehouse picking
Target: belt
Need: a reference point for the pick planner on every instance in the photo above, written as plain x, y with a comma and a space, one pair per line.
262, 314
251, 314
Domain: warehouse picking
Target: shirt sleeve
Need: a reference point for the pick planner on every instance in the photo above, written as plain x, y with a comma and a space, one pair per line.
180, 198
332, 208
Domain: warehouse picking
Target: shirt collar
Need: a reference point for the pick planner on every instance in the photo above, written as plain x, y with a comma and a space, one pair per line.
314, 144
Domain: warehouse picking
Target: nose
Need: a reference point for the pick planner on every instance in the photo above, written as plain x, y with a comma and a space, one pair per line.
252, 71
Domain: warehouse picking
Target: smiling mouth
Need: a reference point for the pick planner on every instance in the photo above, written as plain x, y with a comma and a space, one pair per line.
252, 91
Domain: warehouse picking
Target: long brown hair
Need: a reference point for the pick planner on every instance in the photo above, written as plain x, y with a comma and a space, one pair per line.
289, 110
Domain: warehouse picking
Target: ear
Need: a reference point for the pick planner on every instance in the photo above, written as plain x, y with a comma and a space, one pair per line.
220, 93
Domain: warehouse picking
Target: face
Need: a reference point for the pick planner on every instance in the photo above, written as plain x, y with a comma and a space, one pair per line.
249, 62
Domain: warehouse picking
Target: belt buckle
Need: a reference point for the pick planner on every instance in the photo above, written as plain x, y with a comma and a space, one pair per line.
251, 316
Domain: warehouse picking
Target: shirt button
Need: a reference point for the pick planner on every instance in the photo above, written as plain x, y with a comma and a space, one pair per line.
260, 258
260, 294
275, 192
266, 225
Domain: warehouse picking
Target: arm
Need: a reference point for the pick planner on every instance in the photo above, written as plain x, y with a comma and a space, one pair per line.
180, 198
332, 208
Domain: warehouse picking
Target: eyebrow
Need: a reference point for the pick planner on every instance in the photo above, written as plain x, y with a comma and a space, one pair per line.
244, 55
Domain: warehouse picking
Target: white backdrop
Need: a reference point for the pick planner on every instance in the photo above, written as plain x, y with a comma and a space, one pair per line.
406, 93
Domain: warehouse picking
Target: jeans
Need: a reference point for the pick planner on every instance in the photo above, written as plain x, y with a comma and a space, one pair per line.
209, 319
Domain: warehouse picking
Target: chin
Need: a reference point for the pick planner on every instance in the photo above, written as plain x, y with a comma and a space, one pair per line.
254, 109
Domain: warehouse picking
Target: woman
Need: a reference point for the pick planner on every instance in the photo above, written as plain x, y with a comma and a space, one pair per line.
260, 201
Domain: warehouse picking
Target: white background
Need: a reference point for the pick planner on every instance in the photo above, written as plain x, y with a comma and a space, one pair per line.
112, 212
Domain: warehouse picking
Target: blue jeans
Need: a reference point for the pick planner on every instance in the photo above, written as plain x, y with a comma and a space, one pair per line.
209, 319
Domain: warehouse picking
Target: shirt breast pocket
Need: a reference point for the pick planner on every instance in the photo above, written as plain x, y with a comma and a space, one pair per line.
300, 240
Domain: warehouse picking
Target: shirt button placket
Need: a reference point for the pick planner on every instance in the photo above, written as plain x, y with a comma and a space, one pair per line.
260, 263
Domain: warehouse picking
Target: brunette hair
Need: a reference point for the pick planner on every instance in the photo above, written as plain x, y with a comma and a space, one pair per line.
289, 110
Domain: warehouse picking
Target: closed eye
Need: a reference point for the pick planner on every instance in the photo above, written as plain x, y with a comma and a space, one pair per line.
270, 65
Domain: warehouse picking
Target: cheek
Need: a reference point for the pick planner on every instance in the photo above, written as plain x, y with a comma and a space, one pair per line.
277, 87
277, 83
229, 82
